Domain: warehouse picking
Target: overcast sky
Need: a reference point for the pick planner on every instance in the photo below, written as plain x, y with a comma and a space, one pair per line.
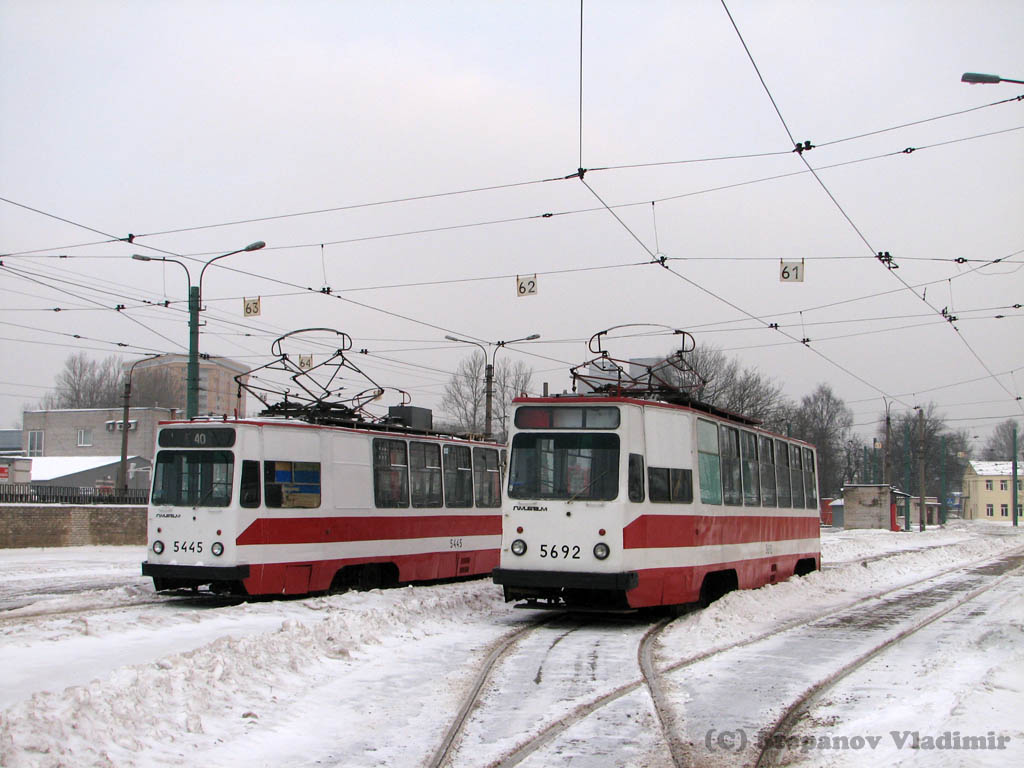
145, 117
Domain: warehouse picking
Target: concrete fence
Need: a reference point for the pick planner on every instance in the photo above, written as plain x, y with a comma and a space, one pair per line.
53, 525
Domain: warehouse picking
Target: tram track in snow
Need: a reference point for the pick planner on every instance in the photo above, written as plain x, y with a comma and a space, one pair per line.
38, 609
652, 677
769, 751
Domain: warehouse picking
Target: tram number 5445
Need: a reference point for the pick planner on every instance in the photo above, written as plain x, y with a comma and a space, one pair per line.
564, 552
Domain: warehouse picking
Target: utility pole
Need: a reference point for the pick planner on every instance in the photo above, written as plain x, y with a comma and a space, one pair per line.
906, 474
943, 492
920, 463
1013, 479
886, 455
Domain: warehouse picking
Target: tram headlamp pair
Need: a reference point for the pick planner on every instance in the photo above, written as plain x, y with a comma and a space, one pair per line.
518, 547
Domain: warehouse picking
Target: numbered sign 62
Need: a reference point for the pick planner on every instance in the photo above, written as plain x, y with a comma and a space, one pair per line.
526, 285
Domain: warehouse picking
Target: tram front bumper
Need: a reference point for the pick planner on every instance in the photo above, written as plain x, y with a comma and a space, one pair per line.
611, 582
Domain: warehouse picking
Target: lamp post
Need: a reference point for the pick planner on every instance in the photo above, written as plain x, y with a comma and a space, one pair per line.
976, 78
122, 473
489, 372
195, 293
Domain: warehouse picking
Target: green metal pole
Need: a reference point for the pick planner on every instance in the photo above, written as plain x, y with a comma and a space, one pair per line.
192, 396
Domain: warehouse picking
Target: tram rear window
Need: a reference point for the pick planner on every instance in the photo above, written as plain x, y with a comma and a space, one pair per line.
193, 478
564, 466
567, 417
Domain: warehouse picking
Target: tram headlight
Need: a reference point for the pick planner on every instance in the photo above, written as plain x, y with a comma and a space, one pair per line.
158, 547
217, 549
601, 550
518, 547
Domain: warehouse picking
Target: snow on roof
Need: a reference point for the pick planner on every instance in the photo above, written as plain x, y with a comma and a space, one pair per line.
992, 467
52, 467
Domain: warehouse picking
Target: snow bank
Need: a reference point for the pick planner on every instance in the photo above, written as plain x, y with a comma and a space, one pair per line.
153, 706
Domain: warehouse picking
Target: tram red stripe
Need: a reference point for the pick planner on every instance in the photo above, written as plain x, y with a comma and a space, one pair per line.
705, 530
310, 530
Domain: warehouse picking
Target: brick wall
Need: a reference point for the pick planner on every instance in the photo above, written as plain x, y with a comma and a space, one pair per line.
70, 526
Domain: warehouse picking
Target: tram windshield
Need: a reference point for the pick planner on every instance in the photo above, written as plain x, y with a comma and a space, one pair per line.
564, 466
193, 478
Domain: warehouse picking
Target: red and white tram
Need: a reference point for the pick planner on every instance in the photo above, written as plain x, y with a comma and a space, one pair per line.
283, 506
622, 502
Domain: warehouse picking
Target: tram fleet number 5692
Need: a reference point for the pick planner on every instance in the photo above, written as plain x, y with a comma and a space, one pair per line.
565, 552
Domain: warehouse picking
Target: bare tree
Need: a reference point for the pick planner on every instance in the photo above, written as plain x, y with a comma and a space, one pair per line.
999, 446
86, 383
464, 394
719, 380
157, 387
464, 400
511, 379
946, 452
823, 420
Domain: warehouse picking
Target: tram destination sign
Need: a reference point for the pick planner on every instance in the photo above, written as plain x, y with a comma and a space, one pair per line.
197, 437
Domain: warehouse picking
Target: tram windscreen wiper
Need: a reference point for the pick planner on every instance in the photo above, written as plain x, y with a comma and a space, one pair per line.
589, 485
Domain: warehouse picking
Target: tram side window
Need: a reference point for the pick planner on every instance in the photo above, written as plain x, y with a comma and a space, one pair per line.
810, 479
250, 487
732, 489
796, 472
458, 476
390, 473
709, 464
671, 485
636, 477
425, 474
291, 484
486, 477
767, 461
751, 478
782, 474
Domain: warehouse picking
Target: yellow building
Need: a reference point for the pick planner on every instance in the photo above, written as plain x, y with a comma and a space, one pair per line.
988, 491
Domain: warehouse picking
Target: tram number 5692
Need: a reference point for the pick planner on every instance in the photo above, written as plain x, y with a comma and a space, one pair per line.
565, 552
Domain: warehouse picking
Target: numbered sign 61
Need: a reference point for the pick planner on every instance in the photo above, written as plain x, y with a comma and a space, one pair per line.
791, 271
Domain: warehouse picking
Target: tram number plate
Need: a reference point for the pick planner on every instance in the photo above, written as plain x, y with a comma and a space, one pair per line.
563, 552
188, 546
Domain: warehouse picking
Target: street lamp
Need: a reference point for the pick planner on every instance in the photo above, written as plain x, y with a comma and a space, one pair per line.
194, 301
976, 78
489, 372
122, 474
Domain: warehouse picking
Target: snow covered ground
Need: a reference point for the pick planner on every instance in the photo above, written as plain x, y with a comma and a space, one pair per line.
97, 670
